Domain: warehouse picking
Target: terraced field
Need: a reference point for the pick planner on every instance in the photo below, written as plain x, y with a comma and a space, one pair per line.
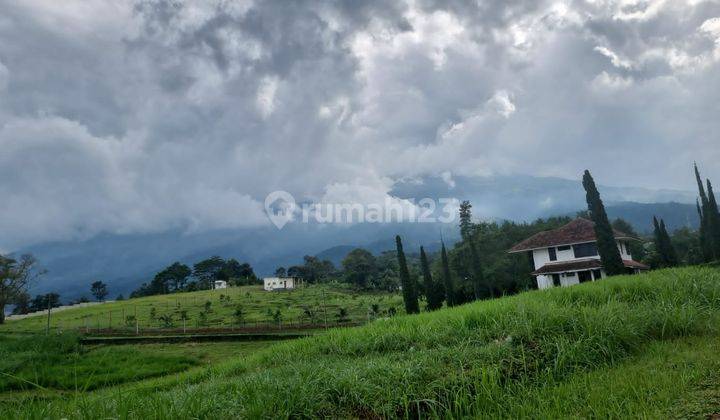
247, 306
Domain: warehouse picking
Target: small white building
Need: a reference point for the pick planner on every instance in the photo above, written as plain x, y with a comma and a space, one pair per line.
278, 283
219, 284
568, 255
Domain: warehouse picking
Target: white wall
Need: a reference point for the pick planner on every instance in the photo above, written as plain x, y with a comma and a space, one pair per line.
540, 257
277, 283
569, 279
544, 282
624, 252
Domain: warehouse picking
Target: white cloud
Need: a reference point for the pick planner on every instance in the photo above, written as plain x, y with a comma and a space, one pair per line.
502, 103
266, 96
712, 27
186, 114
66, 183
613, 82
547, 203
614, 59
640, 10
4, 76
448, 179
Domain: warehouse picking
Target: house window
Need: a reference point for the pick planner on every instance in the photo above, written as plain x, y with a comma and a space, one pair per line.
553, 254
563, 248
556, 279
585, 250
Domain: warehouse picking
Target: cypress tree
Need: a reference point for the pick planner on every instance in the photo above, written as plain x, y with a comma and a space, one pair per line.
669, 250
713, 222
659, 247
701, 189
607, 247
408, 287
663, 244
466, 225
447, 279
477, 273
703, 234
702, 241
433, 295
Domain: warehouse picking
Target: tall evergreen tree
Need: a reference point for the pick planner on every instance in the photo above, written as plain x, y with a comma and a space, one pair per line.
466, 225
713, 222
480, 289
432, 291
447, 277
701, 188
607, 247
409, 290
657, 236
670, 253
705, 238
663, 244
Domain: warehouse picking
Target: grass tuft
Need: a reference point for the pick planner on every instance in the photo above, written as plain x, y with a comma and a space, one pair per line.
530, 355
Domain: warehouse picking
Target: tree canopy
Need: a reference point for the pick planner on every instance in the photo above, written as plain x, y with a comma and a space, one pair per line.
99, 290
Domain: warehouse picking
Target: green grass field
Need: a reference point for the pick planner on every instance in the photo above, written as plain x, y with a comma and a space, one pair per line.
643, 346
43, 364
258, 306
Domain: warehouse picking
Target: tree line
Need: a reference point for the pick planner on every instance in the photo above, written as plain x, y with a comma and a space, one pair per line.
476, 267
178, 277
688, 246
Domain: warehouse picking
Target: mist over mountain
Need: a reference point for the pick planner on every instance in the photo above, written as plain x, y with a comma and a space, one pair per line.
524, 198
126, 261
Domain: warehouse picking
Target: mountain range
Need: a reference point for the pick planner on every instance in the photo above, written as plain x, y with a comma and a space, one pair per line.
124, 261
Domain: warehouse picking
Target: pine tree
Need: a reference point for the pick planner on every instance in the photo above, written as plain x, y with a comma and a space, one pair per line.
704, 235
466, 225
409, 290
607, 247
663, 244
713, 222
671, 258
659, 248
480, 289
447, 278
702, 240
434, 298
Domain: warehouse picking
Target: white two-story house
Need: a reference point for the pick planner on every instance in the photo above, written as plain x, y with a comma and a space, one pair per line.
568, 255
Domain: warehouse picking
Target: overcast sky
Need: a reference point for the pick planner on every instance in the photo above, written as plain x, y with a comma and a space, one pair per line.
125, 116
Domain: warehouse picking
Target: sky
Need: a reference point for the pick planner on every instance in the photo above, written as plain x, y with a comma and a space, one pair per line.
143, 116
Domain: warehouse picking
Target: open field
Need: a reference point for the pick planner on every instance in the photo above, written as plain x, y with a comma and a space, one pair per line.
214, 309
632, 346
58, 363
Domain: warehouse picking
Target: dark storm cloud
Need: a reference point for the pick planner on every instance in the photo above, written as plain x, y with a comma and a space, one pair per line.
149, 115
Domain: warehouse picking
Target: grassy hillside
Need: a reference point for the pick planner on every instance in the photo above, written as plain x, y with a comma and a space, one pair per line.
258, 306
40, 363
631, 346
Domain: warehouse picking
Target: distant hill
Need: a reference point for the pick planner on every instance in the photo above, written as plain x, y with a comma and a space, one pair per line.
640, 215
675, 215
335, 254
124, 261
521, 197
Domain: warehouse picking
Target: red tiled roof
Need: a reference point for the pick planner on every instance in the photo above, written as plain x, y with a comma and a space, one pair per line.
578, 231
589, 264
